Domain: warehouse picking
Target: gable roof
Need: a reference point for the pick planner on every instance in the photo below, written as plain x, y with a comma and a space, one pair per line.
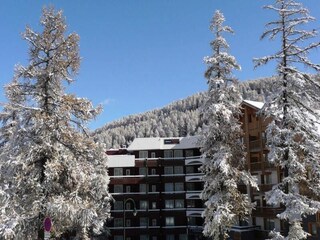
254, 104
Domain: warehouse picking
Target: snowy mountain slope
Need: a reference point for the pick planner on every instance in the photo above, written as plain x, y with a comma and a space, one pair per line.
180, 118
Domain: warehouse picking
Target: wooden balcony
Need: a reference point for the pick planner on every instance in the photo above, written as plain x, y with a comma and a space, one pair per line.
270, 212
257, 145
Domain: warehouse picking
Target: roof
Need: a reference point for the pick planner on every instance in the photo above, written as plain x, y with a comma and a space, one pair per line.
164, 143
255, 104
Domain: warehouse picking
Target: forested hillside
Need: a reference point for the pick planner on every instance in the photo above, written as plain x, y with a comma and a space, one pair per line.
180, 118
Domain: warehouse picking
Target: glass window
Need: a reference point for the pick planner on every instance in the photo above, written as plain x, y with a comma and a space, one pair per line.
128, 188
144, 237
169, 221
143, 204
168, 170
169, 203
168, 187
118, 172
178, 169
153, 188
189, 153
313, 228
269, 224
178, 153
127, 171
118, 205
143, 221
178, 186
118, 222
268, 179
154, 205
170, 237
179, 203
183, 237
128, 222
142, 171
118, 188
190, 169
191, 203
153, 171
143, 188
154, 222
153, 155
190, 186
118, 237
168, 154
143, 154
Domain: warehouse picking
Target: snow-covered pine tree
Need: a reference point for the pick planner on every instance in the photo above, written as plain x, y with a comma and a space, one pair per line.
221, 141
293, 134
49, 165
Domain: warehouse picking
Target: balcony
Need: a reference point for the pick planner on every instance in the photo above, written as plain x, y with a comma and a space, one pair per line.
195, 160
194, 177
193, 195
194, 212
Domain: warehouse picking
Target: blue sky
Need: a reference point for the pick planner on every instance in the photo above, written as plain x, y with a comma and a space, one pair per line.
138, 55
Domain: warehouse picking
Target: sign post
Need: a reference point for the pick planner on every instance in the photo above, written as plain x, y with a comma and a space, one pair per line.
47, 224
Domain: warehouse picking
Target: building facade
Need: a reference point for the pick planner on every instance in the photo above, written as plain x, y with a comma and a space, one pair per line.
156, 185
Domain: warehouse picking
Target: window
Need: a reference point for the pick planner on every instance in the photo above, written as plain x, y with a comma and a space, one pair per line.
153, 188
189, 153
268, 179
143, 154
128, 188
190, 186
128, 222
168, 154
153, 155
170, 237
143, 204
153, 171
154, 205
183, 237
118, 237
154, 222
169, 221
118, 205
169, 203
191, 203
142, 171
143, 188
178, 153
118, 188
269, 224
118, 172
144, 237
178, 169
168, 187
127, 171
312, 228
168, 170
128, 206
118, 222
190, 169
178, 186
143, 221
179, 203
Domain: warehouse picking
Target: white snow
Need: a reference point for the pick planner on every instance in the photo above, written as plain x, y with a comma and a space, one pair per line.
159, 143
254, 104
121, 161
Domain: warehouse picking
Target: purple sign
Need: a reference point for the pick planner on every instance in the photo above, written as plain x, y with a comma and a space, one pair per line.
47, 224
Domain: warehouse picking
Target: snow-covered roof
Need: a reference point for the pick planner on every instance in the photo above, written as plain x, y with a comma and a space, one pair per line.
120, 161
164, 143
254, 104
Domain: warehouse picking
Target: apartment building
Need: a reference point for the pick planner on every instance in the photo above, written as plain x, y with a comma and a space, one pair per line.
156, 185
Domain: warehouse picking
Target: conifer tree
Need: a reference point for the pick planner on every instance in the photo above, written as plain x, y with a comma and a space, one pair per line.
50, 166
221, 141
293, 135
